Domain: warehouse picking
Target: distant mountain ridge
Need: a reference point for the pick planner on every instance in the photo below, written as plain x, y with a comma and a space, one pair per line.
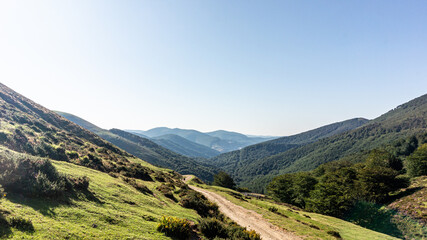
221, 141
185, 147
405, 120
236, 162
148, 150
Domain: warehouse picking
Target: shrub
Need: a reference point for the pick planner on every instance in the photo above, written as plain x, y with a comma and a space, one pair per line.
21, 224
194, 200
138, 171
416, 163
335, 234
138, 186
243, 189
222, 179
174, 227
80, 183
35, 176
72, 154
273, 209
237, 232
212, 227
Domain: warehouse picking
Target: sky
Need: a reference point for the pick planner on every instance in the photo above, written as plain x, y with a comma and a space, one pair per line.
256, 67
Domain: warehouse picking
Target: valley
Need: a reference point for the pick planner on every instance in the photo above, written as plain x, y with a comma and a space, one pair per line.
95, 183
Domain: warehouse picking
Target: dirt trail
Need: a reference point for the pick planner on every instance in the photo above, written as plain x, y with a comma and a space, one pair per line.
246, 218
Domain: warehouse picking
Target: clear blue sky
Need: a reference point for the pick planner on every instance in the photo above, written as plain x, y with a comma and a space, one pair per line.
256, 67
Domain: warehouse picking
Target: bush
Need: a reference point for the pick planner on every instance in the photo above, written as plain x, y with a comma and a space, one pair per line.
72, 154
174, 227
273, 209
222, 179
194, 200
34, 176
212, 227
80, 183
416, 163
138, 186
335, 234
237, 232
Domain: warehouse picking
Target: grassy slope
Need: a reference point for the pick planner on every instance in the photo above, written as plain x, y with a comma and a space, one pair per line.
296, 221
118, 210
414, 202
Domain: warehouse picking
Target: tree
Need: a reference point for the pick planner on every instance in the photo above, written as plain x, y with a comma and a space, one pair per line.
378, 176
416, 163
334, 194
292, 188
222, 179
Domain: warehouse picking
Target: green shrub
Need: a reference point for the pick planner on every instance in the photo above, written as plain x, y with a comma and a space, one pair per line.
80, 183
72, 154
237, 232
194, 200
174, 227
416, 163
35, 176
273, 209
21, 224
243, 189
138, 186
335, 234
212, 227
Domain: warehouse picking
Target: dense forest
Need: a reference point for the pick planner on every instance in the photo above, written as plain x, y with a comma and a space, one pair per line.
362, 183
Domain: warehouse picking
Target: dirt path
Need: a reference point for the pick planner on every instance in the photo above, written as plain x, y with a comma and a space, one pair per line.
247, 218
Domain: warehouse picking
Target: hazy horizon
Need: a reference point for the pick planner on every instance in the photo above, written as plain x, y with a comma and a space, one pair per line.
269, 68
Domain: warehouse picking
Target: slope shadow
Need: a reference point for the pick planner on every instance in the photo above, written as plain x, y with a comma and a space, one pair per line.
5, 229
407, 192
375, 217
46, 206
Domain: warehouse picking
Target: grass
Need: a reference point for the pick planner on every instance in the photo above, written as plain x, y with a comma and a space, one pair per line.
305, 224
112, 210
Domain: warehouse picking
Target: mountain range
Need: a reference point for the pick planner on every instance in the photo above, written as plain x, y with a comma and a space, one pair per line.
253, 168
220, 141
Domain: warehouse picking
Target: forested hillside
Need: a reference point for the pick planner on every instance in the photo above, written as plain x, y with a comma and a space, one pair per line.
237, 162
405, 120
185, 147
221, 141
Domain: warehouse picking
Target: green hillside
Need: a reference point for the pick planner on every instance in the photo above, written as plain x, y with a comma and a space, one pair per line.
110, 209
185, 147
240, 162
404, 121
61, 181
147, 150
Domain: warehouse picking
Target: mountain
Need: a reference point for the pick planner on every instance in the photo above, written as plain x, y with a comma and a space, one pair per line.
235, 162
238, 137
185, 147
221, 141
147, 150
403, 121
